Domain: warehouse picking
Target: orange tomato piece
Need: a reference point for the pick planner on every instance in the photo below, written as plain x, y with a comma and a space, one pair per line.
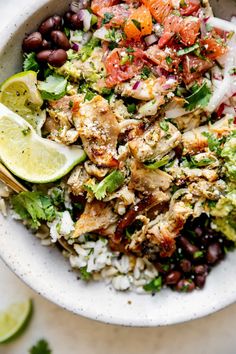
189, 7
119, 12
98, 5
139, 23
186, 28
116, 72
213, 48
159, 9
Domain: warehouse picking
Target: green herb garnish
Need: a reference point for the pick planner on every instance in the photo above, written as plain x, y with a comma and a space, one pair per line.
84, 274
107, 18
30, 62
108, 185
199, 98
53, 88
214, 143
154, 286
131, 108
34, 207
145, 73
88, 48
187, 50
164, 126
41, 347
157, 164
169, 60
137, 24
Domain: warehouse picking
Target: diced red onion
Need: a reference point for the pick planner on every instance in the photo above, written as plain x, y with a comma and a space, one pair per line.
75, 47
75, 6
136, 85
151, 39
158, 29
86, 17
102, 33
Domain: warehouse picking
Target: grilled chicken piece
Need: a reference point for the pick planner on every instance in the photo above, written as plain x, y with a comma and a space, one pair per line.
98, 128
146, 181
147, 90
77, 180
59, 125
97, 215
167, 228
194, 141
155, 142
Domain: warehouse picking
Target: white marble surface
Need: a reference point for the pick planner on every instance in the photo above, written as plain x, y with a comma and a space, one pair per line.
70, 334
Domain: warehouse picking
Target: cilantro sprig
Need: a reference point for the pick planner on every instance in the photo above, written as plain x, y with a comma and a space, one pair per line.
199, 98
108, 185
154, 286
41, 347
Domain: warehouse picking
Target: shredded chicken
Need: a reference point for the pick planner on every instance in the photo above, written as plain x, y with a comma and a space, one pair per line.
98, 128
96, 216
77, 179
155, 142
166, 228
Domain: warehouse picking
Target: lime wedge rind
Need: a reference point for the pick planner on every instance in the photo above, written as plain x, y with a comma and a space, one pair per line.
14, 320
30, 157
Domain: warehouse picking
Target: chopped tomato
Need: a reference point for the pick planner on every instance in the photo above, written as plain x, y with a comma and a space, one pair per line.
160, 9
190, 7
139, 23
98, 5
194, 67
167, 61
187, 29
213, 48
117, 71
118, 13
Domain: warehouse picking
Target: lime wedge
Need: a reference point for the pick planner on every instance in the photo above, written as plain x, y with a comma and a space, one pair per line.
14, 320
31, 157
20, 94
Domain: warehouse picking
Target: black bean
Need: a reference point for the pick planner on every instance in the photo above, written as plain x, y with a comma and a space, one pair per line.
173, 277
200, 281
60, 39
76, 21
57, 58
46, 44
185, 285
200, 269
52, 23
67, 18
214, 253
185, 265
44, 55
32, 43
187, 246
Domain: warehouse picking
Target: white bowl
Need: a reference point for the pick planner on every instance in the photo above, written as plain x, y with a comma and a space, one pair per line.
47, 272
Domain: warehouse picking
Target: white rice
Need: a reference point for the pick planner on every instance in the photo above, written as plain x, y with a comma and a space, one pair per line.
123, 273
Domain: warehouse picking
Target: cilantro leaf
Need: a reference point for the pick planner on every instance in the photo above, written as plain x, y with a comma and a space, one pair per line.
108, 185
53, 88
137, 24
34, 207
154, 285
164, 126
187, 50
107, 18
131, 108
88, 48
214, 143
199, 98
145, 73
157, 164
30, 62
41, 347
84, 274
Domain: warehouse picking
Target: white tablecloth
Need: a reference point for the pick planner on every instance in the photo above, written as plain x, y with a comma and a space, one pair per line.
70, 334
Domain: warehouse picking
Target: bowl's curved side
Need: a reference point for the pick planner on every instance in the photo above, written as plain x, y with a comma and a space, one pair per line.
48, 273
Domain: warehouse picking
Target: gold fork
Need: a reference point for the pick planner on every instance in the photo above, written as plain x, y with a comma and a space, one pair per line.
7, 178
